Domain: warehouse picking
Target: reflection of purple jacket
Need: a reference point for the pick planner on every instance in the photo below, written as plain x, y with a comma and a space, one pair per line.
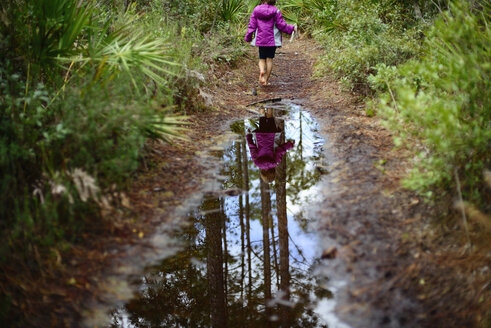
268, 23
264, 154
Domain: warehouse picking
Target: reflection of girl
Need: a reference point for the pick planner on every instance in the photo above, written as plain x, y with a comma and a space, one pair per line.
267, 152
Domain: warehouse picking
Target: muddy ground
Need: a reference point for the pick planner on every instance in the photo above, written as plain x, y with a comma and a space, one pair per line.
404, 269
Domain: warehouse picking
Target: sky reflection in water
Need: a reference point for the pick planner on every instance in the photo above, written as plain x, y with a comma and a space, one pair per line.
221, 279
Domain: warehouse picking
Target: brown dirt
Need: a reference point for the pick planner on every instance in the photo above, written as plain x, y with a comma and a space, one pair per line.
404, 270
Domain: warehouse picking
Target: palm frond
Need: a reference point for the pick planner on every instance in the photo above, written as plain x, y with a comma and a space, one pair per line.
167, 128
231, 9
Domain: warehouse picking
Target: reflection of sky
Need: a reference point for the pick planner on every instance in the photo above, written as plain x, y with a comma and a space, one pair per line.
303, 245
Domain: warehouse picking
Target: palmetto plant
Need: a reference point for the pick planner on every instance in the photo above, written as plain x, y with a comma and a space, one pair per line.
120, 49
79, 37
310, 12
129, 55
166, 128
231, 10
251, 4
55, 28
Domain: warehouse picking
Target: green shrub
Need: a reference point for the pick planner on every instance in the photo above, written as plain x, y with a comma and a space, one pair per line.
79, 107
37, 200
443, 100
311, 14
355, 44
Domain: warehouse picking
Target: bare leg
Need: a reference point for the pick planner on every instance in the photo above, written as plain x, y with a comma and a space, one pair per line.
269, 68
262, 71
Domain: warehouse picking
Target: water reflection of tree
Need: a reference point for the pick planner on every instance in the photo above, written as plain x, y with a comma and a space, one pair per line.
233, 286
281, 210
299, 176
266, 220
176, 296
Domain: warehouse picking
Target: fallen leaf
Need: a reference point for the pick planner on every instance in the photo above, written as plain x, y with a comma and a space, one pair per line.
330, 253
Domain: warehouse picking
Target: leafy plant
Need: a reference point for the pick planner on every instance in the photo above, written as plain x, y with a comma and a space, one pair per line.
75, 102
231, 10
356, 45
443, 100
311, 14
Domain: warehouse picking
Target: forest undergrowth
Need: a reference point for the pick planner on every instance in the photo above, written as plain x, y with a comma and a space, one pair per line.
83, 87
422, 68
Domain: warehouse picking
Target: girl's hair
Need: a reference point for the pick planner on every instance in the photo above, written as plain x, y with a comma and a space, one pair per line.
268, 175
269, 2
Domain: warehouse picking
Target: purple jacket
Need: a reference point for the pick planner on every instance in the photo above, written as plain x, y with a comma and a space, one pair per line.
264, 154
268, 23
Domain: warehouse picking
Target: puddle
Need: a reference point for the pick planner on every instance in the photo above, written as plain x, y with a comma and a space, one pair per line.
249, 255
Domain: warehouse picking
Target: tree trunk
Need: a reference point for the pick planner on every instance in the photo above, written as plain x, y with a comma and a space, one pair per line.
241, 219
275, 253
265, 214
247, 217
283, 234
213, 229
225, 250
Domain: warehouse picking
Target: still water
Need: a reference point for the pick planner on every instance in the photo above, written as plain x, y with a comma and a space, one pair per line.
250, 255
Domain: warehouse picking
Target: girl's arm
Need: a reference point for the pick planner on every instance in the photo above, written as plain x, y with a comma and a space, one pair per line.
281, 150
252, 28
282, 25
252, 145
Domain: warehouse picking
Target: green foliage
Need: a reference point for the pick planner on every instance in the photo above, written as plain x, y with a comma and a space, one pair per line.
52, 29
432, 77
231, 10
357, 44
82, 86
443, 101
311, 14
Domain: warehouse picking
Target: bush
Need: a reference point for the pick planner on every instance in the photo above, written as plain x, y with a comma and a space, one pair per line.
311, 14
355, 44
82, 87
443, 100
76, 110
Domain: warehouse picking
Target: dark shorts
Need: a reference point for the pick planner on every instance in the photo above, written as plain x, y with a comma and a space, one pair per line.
267, 125
267, 52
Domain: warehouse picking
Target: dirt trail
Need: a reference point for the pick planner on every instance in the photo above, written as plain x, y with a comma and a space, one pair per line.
363, 208
380, 232
363, 205
364, 213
